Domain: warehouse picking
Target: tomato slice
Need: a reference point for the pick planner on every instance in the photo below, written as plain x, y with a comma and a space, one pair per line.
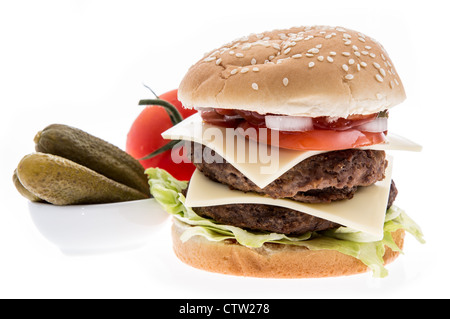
317, 140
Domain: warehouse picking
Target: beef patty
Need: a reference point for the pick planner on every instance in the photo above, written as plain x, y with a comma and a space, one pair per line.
272, 218
321, 178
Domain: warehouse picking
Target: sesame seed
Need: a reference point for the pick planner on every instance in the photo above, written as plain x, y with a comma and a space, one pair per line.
255, 86
244, 70
319, 46
361, 39
346, 35
345, 67
239, 55
391, 84
396, 82
376, 65
313, 50
351, 61
349, 77
231, 52
287, 50
297, 56
346, 53
285, 81
309, 55
328, 36
219, 60
330, 59
358, 66
209, 59
311, 64
320, 58
357, 53
234, 71
246, 46
255, 69
372, 55
348, 42
253, 62
364, 52
379, 78
355, 48
382, 72
368, 47
383, 57
332, 53
363, 64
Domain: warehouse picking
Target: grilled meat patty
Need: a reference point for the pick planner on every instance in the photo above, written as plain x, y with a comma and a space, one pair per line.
272, 218
321, 178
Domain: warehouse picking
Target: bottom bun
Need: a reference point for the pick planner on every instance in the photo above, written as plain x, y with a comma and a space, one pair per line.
271, 260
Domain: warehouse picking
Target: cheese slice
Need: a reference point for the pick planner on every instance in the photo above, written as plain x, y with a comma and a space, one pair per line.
260, 163
365, 212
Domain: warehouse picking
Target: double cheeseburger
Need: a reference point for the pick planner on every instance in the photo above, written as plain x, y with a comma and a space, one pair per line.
320, 91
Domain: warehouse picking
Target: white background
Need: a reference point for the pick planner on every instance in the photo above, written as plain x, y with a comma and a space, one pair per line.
82, 63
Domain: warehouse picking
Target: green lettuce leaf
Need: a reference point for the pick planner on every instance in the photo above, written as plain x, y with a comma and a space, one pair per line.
168, 192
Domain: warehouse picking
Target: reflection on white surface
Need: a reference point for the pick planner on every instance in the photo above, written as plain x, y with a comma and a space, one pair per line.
88, 229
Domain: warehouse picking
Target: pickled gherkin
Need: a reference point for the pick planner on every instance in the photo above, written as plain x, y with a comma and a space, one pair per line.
23, 191
60, 181
94, 153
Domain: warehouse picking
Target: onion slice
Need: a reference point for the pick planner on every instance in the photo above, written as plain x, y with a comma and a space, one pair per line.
378, 125
289, 123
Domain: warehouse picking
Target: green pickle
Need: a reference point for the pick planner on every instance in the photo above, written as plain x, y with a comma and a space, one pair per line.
94, 153
60, 181
23, 191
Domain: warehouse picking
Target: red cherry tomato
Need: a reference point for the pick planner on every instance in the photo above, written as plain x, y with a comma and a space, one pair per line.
144, 137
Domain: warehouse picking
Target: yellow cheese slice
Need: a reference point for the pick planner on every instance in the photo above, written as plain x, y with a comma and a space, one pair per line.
260, 163
365, 212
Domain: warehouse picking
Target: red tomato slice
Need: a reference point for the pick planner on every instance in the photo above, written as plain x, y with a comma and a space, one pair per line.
318, 140
144, 137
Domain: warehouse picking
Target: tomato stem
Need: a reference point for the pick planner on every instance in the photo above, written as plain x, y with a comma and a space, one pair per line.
160, 150
172, 111
146, 86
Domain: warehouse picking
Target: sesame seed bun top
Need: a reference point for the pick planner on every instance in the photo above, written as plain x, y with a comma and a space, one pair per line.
304, 71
